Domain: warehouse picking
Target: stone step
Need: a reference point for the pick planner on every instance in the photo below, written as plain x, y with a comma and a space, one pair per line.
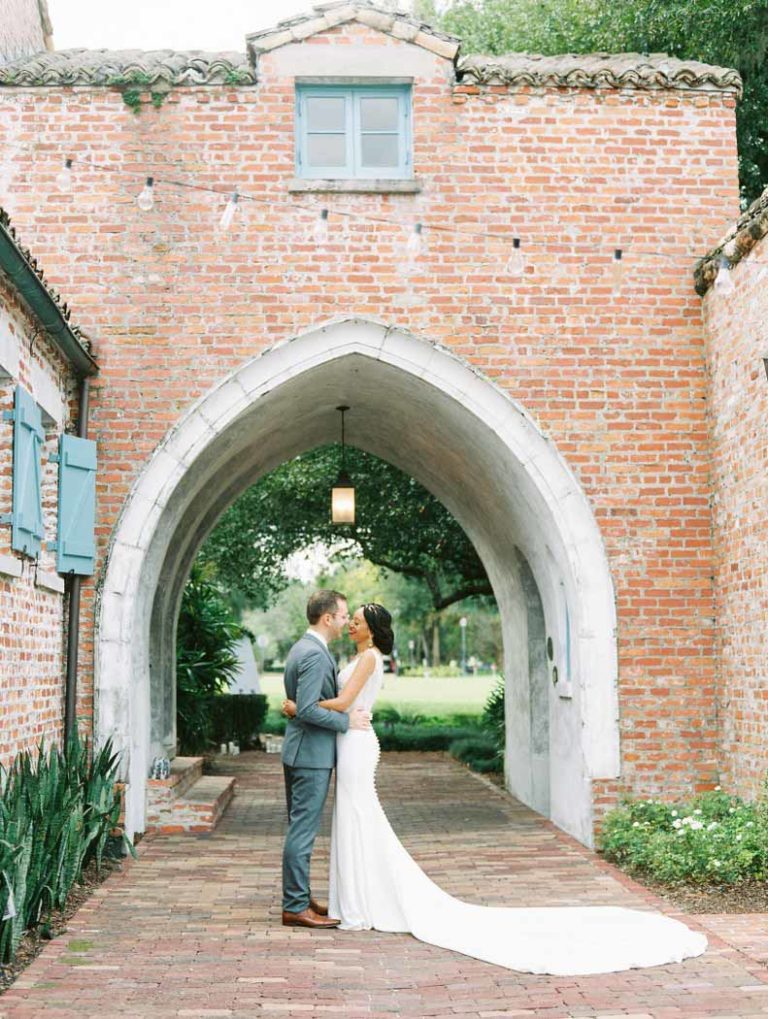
197, 811
185, 771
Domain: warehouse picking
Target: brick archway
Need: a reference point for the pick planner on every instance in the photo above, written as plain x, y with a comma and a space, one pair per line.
419, 406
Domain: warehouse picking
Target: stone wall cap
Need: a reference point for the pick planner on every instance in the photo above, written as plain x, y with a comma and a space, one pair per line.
399, 24
598, 70
115, 67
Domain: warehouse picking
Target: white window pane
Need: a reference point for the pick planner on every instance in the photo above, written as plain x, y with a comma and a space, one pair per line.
326, 150
378, 114
325, 113
379, 150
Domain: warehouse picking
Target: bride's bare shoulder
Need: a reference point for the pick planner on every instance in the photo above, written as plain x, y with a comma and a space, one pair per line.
368, 659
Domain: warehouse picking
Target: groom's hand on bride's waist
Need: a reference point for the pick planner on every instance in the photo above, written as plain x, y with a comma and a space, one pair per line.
360, 719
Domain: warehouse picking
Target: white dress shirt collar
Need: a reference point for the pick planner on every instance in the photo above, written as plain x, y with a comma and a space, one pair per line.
320, 637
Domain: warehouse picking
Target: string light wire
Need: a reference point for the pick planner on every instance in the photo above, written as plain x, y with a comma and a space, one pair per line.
510, 240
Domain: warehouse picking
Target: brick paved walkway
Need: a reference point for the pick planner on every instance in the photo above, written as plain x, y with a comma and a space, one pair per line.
193, 927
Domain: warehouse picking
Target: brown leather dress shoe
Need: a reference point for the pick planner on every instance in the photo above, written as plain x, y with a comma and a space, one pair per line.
316, 907
308, 918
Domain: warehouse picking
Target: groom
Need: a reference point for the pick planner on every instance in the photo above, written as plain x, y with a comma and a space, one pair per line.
309, 751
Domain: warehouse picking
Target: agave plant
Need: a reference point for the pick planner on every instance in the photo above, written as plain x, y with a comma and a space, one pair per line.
57, 809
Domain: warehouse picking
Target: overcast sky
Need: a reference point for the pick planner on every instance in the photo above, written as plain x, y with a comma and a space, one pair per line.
165, 24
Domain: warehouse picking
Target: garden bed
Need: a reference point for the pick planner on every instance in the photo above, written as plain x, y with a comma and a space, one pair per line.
705, 855
749, 897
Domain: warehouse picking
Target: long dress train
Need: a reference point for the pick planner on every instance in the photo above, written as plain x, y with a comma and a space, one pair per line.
376, 884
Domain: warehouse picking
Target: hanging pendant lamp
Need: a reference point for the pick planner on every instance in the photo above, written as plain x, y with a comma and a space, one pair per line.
343, 492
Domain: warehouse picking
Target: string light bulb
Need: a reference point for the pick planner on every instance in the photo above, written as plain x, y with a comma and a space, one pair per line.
64, 176
321, 228
229, 212
724, 280
617, 270
415, 243
146, 199
516, 263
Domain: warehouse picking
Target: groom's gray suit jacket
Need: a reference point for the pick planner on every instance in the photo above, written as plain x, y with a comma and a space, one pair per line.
310, 676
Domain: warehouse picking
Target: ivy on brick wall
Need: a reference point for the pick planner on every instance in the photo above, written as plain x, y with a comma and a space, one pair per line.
135, 85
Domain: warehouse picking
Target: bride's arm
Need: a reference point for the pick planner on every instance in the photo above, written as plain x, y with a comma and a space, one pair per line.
363, 670
366, 663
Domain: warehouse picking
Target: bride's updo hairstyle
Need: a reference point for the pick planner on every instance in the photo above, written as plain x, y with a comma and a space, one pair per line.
380, 624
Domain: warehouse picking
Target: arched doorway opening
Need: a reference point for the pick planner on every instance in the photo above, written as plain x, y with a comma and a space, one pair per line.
427, 412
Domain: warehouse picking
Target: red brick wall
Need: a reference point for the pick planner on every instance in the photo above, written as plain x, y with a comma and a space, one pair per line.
617, 381
737, 342
32, 617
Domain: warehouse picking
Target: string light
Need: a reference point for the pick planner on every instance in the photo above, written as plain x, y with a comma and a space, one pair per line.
320, 230
415, 244
516, 262
64, 176
229, 212
724, 280
146, 199
515, 265
617, 270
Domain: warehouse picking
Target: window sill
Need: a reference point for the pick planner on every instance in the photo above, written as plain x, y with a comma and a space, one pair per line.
50, 582
10, 566
376, 185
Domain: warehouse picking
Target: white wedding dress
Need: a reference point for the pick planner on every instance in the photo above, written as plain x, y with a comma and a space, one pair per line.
375, 884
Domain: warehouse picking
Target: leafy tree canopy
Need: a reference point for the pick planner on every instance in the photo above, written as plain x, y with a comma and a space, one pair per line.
733, 33
400, 526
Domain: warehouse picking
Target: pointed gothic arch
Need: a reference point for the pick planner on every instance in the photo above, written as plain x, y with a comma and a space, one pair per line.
476, 449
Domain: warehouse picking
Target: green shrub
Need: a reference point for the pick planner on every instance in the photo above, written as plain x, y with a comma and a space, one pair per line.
238, 717
434, 671
205, 657
713, 839
418, 737
387, 715
56, 814
274, 722
479, 752
493, 719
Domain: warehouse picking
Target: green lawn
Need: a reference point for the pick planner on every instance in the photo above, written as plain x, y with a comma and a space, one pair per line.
452, 695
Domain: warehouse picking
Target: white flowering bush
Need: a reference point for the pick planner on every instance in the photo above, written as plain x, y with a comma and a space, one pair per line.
713, 839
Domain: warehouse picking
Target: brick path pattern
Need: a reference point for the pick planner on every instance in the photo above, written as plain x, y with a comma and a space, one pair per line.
192, 928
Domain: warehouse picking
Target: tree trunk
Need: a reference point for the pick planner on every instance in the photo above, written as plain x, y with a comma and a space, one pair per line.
435, 641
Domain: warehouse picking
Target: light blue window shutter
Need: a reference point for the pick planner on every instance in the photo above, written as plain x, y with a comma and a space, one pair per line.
76, 545
28, 436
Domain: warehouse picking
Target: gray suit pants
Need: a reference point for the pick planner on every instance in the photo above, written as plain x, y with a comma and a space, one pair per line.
306, 790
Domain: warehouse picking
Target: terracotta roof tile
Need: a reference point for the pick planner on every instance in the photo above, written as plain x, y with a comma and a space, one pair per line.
743, 235
598, 70
75, 344
325, 16
103, 67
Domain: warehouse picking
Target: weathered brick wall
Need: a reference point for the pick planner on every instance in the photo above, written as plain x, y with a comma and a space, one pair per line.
737, 342
32, 598
617, 381
21, 29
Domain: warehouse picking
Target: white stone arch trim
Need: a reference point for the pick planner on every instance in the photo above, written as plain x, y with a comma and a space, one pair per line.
121, 678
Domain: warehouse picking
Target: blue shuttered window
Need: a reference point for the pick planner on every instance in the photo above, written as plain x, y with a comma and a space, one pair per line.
75, 545
28, 437
350, 132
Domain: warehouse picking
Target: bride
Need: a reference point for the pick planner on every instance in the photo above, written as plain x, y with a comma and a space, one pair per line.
376, 884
